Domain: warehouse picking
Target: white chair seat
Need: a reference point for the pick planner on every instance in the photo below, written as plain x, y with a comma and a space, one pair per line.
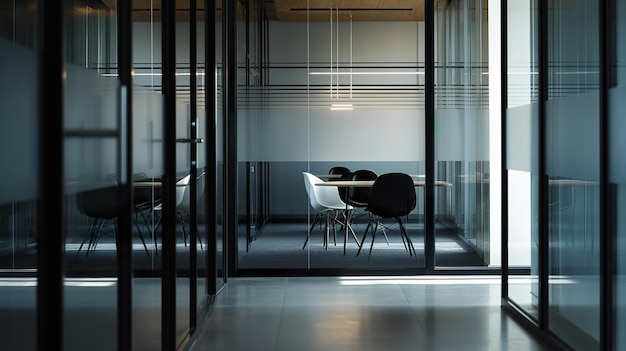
326, 201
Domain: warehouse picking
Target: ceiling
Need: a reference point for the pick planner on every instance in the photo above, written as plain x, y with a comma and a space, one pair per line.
296, 10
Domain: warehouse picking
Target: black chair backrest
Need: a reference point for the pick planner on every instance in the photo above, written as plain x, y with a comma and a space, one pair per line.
359, 196
99, 203
101, 200
339, 170
344, 192
392, 195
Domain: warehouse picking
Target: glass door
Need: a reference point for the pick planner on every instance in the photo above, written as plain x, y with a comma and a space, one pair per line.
217, 187
348, 90
462, 137
95, 148
522, 153
573, 172
148, 170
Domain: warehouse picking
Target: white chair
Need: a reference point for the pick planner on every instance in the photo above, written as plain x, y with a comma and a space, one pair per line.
181, 188
183, 208
326, 201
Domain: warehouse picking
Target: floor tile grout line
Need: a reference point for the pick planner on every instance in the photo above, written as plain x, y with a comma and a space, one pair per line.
282, 310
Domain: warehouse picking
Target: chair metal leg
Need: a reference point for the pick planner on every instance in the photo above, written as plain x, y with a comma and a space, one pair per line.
141, 237
327, 232
369, 224
95, 236
315, 219
373, 237
348, 228
199, 240
89, 234
409, 243
385, 235
182, 226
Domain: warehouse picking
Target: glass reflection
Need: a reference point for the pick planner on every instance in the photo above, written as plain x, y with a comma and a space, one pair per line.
572, 167
462, 137
18, 189
91, 160
522, 123
617, 174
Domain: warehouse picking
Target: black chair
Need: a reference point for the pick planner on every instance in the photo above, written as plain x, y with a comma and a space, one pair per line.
145, 198
338, 170
391, 197
100, 203
344, 174
358, 197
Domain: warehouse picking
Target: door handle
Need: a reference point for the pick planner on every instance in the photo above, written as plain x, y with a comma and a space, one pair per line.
187, 140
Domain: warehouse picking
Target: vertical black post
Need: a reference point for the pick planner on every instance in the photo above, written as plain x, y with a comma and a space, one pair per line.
210, 146
261, 18
248, 206
607, 233
504, 186
124, 237
247, 14
50, 227
168, 315
230, 179
544, 215
429, 107
193, 186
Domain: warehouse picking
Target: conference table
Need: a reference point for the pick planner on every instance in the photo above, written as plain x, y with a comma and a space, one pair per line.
366, 184
338, 176
369, 183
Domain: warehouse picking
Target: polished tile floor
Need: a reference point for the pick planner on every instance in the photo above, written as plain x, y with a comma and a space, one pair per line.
362, 313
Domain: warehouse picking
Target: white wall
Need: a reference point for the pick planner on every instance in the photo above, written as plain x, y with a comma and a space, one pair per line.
299, 133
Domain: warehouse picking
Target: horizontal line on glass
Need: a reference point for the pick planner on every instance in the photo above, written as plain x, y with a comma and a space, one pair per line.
366, 73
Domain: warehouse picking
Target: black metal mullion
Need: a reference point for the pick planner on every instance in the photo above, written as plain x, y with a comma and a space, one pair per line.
429, 107
248, 207
247, 15
193, 135
124, 237
50, 207
504, 213
608, 238
210, 146
230, 179
544, 216
261, 43
168, 315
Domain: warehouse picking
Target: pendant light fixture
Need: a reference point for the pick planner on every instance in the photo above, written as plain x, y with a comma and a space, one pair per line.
335, 93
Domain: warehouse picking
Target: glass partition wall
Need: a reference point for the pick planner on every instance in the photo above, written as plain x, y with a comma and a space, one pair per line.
105, 155
219, 144
573, 172
93, 168
617, 163
340, 93
522, 153
560, 219
344, 86
19, 191
462, 137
